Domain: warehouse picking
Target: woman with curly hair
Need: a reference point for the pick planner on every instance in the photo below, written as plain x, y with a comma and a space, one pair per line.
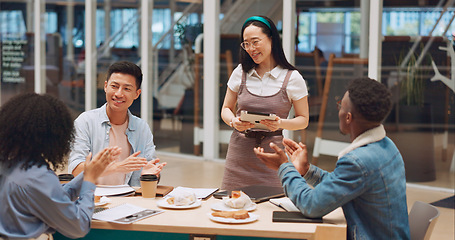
36, 133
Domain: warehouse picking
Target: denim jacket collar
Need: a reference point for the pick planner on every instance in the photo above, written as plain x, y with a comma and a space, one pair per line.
369, 136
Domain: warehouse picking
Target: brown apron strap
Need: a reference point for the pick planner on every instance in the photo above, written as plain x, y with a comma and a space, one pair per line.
243, 83
286, 80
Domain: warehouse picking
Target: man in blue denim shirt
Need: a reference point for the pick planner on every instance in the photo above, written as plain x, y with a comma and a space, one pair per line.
113, 125
369, 179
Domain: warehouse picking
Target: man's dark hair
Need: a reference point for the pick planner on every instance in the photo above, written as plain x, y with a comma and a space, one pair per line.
370, 98
35, 130
277, 49
126, 67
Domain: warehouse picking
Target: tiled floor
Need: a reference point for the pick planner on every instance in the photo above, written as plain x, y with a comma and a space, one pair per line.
195, 172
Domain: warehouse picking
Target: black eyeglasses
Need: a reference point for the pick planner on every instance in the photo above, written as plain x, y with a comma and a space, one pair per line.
247, 45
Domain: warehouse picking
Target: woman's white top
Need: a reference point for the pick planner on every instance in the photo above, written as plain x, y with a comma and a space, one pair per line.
270, 83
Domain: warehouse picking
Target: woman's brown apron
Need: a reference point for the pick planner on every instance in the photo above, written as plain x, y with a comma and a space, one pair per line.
242, 167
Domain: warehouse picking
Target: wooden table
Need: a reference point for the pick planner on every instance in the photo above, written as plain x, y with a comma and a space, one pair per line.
187, 223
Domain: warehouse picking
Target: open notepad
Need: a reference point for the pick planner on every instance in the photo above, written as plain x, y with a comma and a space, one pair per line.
113, 190
125, 213
285, 203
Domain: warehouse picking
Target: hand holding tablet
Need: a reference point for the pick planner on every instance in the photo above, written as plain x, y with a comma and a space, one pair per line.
255, 118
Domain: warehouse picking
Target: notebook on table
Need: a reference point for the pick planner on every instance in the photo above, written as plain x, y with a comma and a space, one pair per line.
293, 217
114, 190
259, 193
161, 190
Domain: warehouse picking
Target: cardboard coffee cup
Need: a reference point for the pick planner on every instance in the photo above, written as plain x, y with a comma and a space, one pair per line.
65, 178
149, 183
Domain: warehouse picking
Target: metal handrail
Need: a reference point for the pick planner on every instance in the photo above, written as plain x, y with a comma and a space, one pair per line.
124, 29
164, 36
171, 29
414, 46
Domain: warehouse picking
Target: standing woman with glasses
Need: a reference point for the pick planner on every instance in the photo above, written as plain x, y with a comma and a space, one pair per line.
264, 82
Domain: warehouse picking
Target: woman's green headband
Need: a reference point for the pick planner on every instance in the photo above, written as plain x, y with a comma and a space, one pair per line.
260, 19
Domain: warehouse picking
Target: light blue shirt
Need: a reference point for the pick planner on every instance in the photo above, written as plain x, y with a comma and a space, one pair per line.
368, 183
34, 202
92, 135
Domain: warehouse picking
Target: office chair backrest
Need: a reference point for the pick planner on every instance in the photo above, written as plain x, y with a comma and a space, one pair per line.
422, 219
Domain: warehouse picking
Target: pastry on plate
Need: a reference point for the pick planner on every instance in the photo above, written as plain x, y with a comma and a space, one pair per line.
182, 198
237, 200
240, 214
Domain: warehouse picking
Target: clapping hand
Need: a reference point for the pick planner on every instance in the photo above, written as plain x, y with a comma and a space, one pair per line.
94, 168
271, 160
298, 154
130, 164
152, 167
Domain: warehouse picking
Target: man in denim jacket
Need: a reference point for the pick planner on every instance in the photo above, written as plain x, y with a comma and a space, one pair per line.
369, 179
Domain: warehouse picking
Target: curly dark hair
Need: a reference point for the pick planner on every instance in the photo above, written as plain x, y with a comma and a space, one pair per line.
126, 67
370, 98
35, 130
277, 48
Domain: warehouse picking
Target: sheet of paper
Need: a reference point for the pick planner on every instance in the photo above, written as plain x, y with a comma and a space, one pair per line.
125, 213
106, 190
200, 192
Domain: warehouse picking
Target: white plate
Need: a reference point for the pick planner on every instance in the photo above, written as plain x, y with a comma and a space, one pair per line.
103, 201
253, 217
164, 204
220, 206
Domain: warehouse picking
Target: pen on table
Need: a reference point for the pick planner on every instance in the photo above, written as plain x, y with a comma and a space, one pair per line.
279, 205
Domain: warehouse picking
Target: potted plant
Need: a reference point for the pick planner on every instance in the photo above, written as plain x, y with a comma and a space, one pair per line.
413, 78
415, 119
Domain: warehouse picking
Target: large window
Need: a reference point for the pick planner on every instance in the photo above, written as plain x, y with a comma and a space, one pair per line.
125, 28
396, 22
12, 22
336, 32
124, 25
